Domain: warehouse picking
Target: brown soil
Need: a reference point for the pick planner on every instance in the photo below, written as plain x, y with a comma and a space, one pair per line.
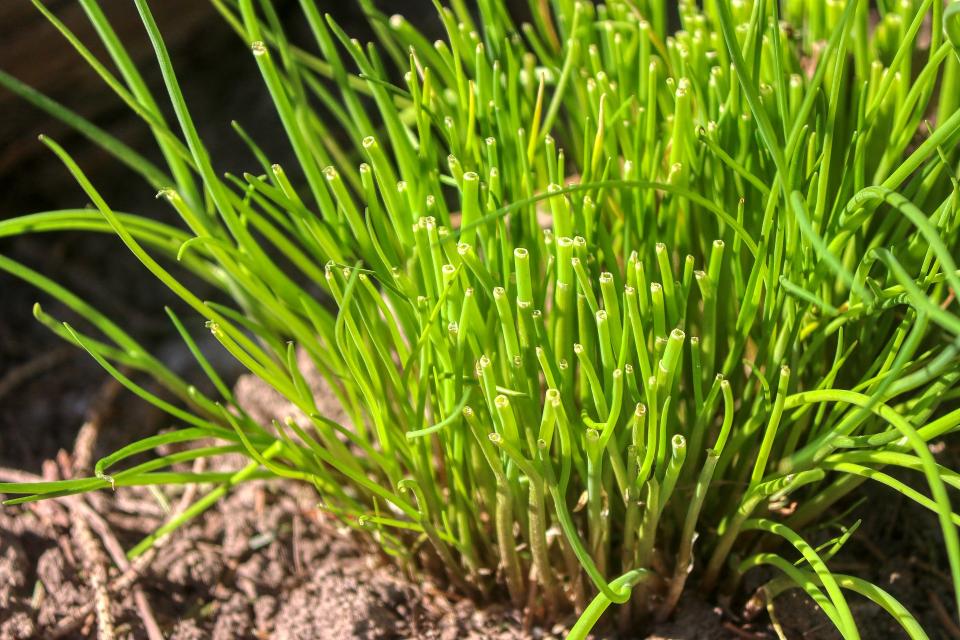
267, 563
263, 563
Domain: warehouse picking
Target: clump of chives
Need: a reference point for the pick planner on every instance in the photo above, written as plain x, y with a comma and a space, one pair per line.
596, 298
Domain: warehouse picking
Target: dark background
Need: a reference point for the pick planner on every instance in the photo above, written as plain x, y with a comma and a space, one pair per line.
47, 386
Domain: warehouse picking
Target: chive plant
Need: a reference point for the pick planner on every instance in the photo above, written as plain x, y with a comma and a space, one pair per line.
607, 305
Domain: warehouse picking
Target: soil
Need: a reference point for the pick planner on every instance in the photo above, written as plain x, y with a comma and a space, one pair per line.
267, 562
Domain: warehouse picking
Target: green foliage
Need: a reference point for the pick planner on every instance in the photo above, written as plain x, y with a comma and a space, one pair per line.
591, 290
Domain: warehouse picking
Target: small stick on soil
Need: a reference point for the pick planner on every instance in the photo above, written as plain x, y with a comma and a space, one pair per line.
190, 492
86, 440
50, 514
82, 462
125, 581
84, 520
95, 566
92, 557
131, 571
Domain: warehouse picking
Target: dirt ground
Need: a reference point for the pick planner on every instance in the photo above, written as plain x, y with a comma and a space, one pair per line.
268, 562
